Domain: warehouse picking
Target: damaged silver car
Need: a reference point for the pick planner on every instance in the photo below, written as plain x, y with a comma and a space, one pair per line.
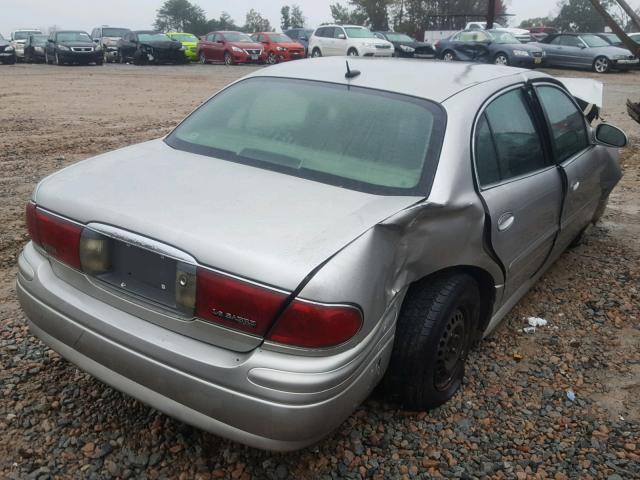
309, 228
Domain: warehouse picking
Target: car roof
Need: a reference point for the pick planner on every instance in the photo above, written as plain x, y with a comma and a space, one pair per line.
70, 31
418, 79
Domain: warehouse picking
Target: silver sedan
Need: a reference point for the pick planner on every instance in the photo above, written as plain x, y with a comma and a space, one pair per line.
256, 272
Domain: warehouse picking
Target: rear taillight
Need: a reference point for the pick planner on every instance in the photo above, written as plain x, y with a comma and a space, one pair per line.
312, 325
236, 303
58, 237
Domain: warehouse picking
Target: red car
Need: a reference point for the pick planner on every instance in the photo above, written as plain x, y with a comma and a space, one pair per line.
278, 47
229, 47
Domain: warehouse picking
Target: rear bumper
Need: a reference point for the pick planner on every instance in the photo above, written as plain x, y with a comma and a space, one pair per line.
265, 399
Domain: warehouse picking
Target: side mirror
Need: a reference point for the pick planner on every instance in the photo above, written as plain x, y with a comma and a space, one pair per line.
611, 136
342, 36
582, 46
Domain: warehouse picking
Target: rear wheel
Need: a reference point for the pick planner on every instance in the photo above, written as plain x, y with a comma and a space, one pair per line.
316, 53
601, 65
501, 59
228, 59
448, 56
202, 58
434, 333
352, 52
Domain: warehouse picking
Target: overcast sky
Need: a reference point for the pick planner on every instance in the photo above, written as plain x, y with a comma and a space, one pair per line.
139, 14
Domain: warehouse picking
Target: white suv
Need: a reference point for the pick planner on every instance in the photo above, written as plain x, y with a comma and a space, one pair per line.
19, 38
352, 40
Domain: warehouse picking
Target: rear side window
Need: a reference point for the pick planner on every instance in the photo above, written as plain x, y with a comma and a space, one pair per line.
367, 140
566, 121
507, 131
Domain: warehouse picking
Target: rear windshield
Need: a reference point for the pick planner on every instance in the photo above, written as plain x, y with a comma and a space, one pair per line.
363, 139
39, 39
73, 37
399, 37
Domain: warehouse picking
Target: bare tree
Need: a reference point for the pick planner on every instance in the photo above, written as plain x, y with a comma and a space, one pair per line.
633, 15
617, 29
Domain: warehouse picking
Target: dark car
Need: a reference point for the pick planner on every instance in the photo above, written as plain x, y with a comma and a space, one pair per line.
7, 52
229, 47
72, 46
34, 48
586, 50
406, 46
146, 46
489, 46
300, 35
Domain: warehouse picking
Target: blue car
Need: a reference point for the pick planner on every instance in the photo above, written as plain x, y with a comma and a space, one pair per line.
302, 36
489, 46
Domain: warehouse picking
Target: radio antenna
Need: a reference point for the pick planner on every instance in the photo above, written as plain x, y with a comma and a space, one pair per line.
351, 73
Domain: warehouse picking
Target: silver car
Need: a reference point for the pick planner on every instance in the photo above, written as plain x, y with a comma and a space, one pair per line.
585, 50
256, 272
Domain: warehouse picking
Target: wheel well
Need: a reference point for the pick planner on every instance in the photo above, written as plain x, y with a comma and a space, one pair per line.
486, 285
352, 49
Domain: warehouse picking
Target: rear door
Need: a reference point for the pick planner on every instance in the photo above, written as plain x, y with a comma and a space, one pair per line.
580, 162
217, 47
521, 187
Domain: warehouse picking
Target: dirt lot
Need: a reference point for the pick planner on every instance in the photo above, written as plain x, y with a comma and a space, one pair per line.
511, 420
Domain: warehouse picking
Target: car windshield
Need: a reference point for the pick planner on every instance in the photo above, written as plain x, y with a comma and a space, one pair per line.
357, 138
594, 41
237, 37
184, 37
73, 37
357, 32
614, 39
24, 34
279, 38
503, 37
114, 32
399, 37
153, 37
39, 39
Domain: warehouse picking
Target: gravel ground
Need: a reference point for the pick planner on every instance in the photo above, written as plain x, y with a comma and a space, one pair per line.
512, 419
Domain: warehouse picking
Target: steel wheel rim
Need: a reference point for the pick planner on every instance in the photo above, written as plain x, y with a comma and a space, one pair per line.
448, 57
316, 53
227, 59
501, 60
203, 60
451, 350
271, 59
601, 65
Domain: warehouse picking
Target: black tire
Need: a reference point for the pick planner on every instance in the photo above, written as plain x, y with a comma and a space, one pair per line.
202, 58
434, 333
228, 59
121, 58
448, 56
57, 60
316, 53
272, 59
353, 53
601, 65
138, 58
11, 61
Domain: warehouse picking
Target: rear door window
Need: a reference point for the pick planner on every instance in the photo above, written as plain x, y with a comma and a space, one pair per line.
510, 134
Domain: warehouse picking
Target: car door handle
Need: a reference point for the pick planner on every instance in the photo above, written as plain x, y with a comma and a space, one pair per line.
506, 221
575, 185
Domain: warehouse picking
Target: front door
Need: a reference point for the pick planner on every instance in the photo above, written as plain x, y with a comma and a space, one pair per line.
521, 187
581, 163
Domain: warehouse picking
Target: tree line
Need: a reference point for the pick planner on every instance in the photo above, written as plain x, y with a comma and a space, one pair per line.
409, 16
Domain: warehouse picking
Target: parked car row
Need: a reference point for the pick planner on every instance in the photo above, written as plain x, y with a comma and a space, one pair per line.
578, 50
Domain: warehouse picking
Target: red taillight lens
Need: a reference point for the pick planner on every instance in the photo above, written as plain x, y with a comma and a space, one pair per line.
235, 303
311, 325
59, 238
